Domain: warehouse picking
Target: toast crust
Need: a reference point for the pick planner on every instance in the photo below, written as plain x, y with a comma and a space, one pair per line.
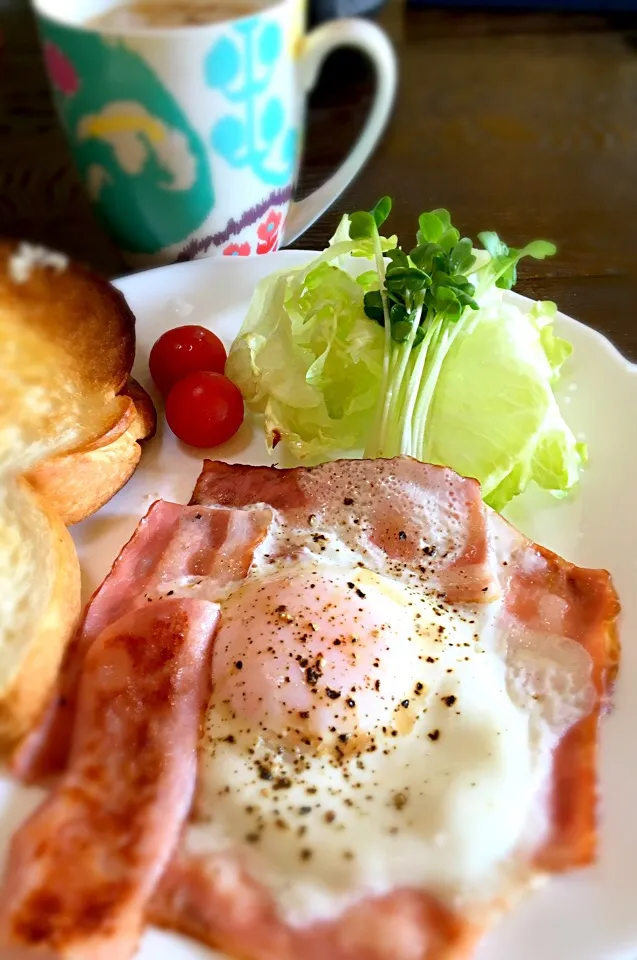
77, 484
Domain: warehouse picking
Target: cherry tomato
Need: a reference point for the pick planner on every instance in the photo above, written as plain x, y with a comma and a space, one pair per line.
185, 350
204, 409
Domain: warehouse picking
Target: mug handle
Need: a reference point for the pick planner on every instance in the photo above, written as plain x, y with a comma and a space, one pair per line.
369, 38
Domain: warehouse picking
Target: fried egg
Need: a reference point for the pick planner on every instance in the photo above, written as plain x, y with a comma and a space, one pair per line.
364, 734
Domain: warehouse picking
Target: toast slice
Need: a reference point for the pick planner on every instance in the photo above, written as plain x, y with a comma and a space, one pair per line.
71, 420
39, 604
67, 344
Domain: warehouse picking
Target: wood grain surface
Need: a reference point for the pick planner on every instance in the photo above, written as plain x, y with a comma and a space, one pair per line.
522, 123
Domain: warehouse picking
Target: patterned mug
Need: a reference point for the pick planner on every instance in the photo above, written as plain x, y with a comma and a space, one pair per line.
189, 138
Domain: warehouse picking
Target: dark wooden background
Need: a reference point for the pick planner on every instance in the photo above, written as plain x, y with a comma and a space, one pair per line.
522, 123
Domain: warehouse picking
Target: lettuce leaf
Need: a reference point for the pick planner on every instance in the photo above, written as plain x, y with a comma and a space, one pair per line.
309, 359
471, 388
494, 415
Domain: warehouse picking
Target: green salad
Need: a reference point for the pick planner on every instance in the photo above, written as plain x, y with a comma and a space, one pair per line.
411, 351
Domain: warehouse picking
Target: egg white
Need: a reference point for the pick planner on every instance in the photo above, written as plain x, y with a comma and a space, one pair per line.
452, 804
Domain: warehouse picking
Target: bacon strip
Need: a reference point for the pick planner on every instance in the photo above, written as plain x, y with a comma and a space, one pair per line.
83, 867
172, 548
395, 503
548, 595
211, 899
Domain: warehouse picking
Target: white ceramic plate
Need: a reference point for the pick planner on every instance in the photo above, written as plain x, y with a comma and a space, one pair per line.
590, 915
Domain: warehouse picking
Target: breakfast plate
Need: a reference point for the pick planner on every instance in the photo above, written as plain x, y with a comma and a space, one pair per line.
588, 915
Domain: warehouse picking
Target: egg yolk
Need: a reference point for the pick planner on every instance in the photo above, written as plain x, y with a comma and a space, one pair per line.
319, 658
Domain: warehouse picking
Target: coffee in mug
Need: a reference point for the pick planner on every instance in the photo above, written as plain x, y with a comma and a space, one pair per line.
173, 13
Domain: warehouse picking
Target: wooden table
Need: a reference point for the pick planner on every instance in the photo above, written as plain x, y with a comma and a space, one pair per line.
522, 123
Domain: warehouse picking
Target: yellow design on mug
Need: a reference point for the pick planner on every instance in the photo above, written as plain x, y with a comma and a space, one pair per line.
105, 127
131, 130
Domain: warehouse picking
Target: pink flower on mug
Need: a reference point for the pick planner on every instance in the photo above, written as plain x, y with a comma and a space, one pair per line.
61, 70
237, 250
268, 232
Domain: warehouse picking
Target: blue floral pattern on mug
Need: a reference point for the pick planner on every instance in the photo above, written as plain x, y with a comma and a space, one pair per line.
240, 66
146, 168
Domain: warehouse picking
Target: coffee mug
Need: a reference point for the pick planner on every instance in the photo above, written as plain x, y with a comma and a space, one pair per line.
189, 138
